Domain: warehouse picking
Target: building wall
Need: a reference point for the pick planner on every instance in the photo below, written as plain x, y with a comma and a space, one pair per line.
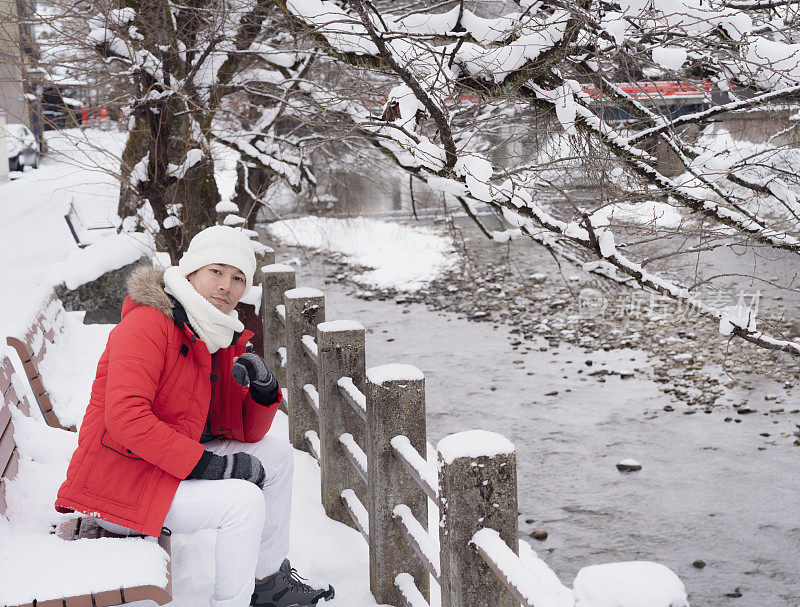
12, 94
3, 152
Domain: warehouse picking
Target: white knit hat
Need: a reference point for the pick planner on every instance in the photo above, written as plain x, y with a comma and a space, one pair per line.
220, 244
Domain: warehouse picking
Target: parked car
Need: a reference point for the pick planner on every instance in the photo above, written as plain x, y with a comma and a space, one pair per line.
23, 149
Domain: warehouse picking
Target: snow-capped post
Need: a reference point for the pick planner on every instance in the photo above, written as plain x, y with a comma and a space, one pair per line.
340, 345
305, 309
276, 279
478, 489
264, 257
395, 406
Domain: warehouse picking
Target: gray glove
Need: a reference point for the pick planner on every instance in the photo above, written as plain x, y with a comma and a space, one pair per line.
214, 467
251, 370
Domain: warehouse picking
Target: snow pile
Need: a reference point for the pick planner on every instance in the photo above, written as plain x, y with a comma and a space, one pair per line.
356, 395
771, 63
669, 57
426, 472
650, 212
334, 326
629, 584
34, 233
108, 254
393, 372
473, 443
343, 31
178, 171
477, 173
303, 293
404, 258
253, 297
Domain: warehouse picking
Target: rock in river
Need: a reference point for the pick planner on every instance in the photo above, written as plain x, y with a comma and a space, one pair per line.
539, 534
628, 465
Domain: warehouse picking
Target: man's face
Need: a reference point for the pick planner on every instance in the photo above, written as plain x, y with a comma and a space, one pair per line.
220, 284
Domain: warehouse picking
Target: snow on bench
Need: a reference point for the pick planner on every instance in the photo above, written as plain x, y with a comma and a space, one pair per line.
13, 396
34, 335
59, 355
38, 565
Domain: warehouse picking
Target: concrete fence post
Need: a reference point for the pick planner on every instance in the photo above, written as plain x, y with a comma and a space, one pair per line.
478, 489
395, 397
305, 309
266, 257
341, 354
276, 279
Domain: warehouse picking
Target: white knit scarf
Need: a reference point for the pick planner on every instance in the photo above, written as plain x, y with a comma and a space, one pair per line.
212, 325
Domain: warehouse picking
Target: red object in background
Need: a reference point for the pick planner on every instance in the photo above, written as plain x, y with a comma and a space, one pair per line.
667, 90
252, 322
91, 116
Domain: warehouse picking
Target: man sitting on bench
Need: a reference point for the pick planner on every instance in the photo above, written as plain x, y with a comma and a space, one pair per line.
174, 437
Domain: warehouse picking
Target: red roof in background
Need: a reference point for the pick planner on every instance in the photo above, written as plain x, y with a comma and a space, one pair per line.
667, 89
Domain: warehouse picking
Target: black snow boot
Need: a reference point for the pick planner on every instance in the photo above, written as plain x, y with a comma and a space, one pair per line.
286, 589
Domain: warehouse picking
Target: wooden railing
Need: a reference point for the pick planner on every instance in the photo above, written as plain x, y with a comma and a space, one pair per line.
366, 428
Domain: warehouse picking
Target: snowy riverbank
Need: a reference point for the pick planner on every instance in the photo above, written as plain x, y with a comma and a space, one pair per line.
709, 490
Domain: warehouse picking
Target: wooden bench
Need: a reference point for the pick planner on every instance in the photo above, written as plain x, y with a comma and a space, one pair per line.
76, 528
31, 347
9, 457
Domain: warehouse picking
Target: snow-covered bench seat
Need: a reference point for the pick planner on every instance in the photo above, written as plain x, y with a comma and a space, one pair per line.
9, 456
50, 560
59, 355
31, 345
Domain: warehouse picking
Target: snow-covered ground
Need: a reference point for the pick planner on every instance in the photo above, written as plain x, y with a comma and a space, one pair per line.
401, 257
35, 235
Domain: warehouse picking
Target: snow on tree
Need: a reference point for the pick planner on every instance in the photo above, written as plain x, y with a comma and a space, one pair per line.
568, 60
273, 89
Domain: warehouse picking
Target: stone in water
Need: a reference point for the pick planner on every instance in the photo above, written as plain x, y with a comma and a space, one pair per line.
629, 465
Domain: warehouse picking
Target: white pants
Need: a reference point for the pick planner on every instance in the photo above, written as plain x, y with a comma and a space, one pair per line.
252, 525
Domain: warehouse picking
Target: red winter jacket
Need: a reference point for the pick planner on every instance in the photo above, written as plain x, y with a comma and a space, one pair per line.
150, 400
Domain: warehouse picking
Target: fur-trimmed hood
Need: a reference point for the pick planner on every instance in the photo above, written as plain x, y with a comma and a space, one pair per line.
146, 287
